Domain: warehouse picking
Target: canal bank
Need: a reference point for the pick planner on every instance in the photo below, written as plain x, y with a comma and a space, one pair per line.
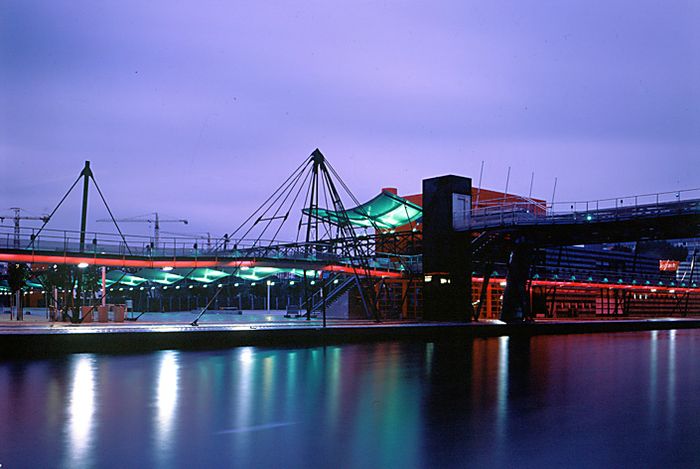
50, 339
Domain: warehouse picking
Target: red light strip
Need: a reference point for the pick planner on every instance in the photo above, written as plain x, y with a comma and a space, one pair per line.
160, 263
123, 262
372, 272
194, 263
626, 286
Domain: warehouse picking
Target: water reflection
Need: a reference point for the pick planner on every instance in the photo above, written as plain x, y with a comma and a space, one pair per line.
166, 402
671, 383
81, 412
502, 389
243, 385
334, 376
653, 375
501, 402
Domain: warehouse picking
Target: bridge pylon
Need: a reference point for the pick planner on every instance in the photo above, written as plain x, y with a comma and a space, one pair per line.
79, 276
312, 191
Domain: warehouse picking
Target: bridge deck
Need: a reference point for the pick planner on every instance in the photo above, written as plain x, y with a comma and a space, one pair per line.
107, 249
523, 215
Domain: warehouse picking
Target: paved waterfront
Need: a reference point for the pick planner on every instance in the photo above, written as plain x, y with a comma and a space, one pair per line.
226, 319
37, 336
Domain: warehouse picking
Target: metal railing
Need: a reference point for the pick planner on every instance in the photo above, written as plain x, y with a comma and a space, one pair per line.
67, 242
612, 209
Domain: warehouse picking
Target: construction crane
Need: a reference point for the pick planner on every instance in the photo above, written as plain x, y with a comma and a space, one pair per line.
16, 218
149, 218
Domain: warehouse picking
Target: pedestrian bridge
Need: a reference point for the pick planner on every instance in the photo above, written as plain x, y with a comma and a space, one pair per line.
665, 215
115, 251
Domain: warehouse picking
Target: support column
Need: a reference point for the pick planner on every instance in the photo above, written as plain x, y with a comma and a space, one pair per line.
489, 300
404, 297
86, 174
516, 304
446, 252
104, 286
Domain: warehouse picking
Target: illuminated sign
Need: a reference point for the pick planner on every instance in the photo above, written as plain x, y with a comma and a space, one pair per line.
668, 266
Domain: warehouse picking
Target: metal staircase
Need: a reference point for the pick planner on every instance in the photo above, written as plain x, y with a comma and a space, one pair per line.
315, 301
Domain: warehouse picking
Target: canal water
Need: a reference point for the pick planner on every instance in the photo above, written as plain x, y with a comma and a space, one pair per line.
600, 400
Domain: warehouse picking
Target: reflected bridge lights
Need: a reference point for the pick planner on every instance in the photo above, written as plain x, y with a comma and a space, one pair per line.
81, 411
166, 397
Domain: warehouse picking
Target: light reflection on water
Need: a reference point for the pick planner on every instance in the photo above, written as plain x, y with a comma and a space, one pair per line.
81, 411
671, 393
502, 391
591, 400
166, 403
653, 375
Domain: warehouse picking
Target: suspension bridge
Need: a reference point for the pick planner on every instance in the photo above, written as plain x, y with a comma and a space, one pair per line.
442, 243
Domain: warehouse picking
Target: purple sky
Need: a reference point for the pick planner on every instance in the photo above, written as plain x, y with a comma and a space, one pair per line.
197, 109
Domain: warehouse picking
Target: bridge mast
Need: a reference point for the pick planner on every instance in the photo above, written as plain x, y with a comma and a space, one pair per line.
86, 174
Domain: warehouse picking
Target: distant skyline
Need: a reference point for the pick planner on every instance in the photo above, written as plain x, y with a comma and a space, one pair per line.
199, 110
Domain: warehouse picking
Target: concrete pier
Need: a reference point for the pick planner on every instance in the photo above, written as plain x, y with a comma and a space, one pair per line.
43, 339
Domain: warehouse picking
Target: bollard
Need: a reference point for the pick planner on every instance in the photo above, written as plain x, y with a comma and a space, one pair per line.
87, 313
102, 313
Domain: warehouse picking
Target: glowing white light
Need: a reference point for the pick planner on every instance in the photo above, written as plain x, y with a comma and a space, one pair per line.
82, 265
166, 399
167, 268
81, 410
244, 393
246, 355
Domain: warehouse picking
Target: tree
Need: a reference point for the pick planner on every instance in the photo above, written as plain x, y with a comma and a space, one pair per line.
69, 279
17, 275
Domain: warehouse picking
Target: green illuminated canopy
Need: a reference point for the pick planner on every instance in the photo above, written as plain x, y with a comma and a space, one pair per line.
129, 280
256, 274
202, 275
385, 211
160, 276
